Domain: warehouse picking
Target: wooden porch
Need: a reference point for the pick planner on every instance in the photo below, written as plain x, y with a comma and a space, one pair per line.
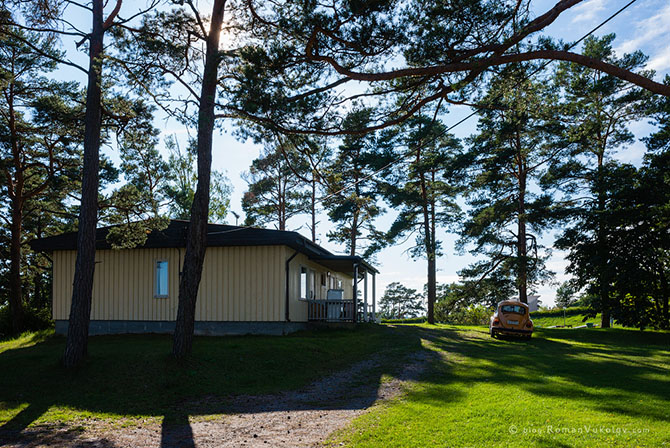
348, 310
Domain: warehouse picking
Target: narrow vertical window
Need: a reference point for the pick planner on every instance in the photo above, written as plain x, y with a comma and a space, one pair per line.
304, 293
161, 286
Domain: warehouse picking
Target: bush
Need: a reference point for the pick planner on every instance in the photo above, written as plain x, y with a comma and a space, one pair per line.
413, 320
472, 315
34, 319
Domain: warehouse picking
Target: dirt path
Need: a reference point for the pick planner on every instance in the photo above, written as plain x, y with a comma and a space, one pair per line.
302, 418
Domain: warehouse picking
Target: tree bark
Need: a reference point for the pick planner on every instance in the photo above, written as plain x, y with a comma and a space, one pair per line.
15, 289
432, 261
602, 248
313, 206
522, 247
431, 285
196, 241
80, 310
353, 236
15, 192
664, 300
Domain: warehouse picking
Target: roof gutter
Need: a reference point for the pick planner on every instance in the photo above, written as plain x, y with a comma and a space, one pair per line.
288, 289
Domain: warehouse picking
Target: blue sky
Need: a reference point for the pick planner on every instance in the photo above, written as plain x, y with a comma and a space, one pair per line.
643, 26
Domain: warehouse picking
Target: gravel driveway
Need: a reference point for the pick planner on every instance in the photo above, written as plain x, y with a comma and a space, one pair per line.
303, 418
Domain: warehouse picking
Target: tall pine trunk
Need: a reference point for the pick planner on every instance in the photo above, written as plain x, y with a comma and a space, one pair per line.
664, 293
15, 289
196, 240
313, 206
432, 283
522, 245
15, 190
353, 236
602, 249
429, 238
80, 310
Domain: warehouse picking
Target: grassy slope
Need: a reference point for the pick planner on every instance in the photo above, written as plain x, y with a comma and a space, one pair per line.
605, 388
586, 381
541, 319
133, 376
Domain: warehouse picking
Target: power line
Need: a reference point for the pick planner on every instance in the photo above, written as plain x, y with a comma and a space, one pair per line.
475, 112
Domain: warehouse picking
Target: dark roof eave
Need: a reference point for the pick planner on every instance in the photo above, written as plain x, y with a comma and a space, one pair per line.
353, 259
175, 236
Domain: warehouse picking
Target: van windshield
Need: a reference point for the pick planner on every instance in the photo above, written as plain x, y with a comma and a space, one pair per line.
516, 309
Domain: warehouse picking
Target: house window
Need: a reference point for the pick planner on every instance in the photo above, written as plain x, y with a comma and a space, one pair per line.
304, 286
161, 276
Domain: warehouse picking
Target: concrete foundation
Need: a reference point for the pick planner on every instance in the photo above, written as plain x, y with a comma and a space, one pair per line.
100, 327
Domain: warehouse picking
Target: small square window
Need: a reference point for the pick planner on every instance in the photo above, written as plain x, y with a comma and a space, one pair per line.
161, 276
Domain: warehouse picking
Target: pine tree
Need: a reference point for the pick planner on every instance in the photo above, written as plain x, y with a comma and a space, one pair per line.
181, 181
517, 137
400, 302
352, 200
38, 144
423, 192
598, 109
276, 187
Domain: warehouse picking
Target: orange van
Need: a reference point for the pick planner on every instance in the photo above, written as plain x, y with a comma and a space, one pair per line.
511, 318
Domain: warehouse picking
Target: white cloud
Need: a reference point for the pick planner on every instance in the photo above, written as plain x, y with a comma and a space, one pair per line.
661, 61
588, 11
648, 31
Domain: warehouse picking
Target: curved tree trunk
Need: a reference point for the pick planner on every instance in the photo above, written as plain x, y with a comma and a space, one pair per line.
196, 240
80, 310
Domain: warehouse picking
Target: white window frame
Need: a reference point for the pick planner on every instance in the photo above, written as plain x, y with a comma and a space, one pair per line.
300, 273
156, 279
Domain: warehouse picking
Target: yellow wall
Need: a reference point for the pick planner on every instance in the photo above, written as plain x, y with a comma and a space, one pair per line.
297, 307
238, 284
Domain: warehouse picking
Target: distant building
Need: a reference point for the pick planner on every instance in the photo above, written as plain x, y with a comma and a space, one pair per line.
533, 303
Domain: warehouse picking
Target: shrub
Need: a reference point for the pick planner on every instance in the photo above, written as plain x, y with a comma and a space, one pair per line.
414, 320
472, 315
34, 319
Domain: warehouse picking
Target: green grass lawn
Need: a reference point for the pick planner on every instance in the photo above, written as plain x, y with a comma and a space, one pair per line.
553, 318
564, 388
133, 376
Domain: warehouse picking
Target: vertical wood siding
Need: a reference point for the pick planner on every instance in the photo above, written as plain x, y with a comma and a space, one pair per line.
297, 307
238, 284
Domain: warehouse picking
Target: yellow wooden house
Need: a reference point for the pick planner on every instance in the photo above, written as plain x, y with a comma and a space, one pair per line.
254, 281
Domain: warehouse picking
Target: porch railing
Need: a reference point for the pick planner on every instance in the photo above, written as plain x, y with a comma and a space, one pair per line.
330, 310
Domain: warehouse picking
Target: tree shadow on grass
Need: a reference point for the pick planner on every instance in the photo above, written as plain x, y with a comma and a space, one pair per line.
133, 376
14, 432
605, 370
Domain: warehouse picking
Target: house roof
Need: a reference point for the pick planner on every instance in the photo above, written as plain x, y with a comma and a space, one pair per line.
218, 235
